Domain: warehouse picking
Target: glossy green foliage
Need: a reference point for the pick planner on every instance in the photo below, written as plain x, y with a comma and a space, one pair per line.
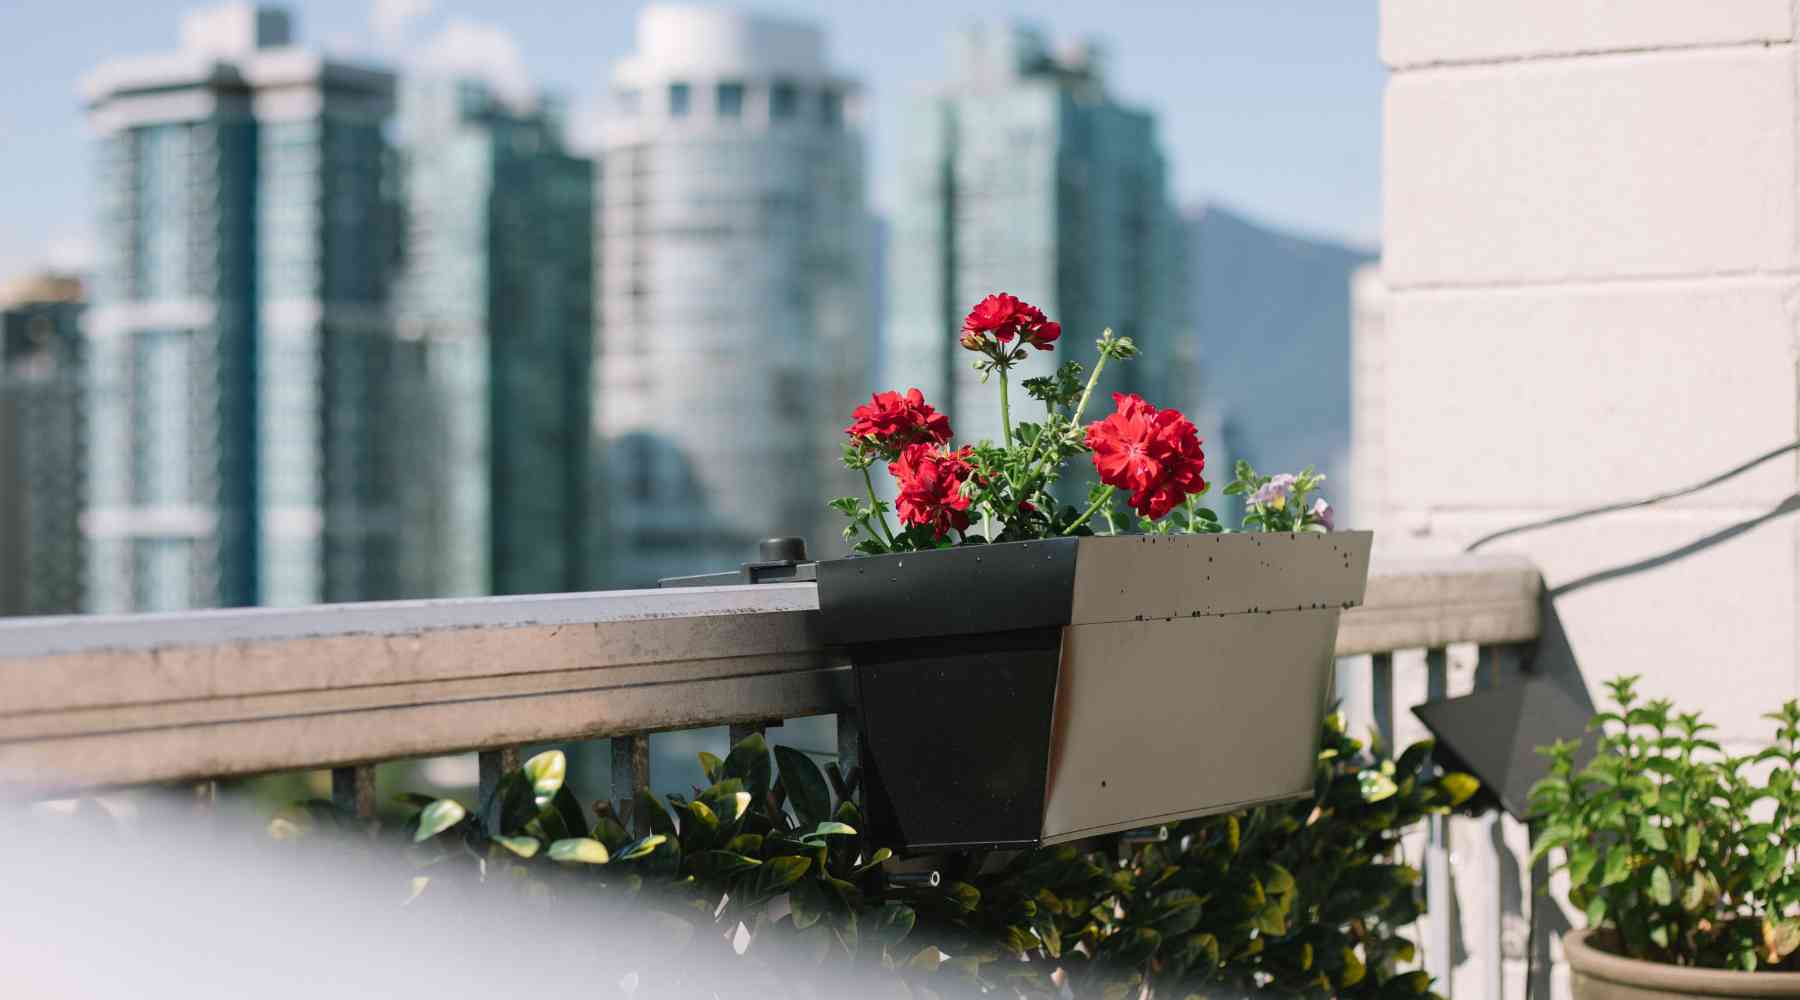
1306, 896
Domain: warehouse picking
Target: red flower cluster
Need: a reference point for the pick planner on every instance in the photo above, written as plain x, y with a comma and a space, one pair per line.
1153, 453
893, 421
931, 487
1004, 317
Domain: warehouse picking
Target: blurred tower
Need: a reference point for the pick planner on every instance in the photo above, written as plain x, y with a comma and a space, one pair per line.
1271, 315
42, 445
496, 304
1021, 174
241, 343
734, 324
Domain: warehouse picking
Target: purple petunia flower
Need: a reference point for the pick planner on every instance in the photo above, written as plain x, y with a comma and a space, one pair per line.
1322, 513
1275, 492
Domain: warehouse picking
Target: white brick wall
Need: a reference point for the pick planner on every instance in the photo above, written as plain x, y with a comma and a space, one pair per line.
1427, 32
1596, 167
1592, 293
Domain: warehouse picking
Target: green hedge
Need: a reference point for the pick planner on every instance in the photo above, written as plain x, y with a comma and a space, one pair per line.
1305, 897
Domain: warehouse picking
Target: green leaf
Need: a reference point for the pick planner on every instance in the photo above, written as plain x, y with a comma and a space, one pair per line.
749, 761
1596, 911
437, 817
712, 766
1690, 843
699, 828
1693, 896
823, 830
1553, 836
809, 903
1662, 892
1618, 866
579, 850
1459, 786
875, 860
567, 811
715, 865
1582, 860
777, 874
655, 816
892, 924
1782, 938
642, 847
1652, 836
807, 789
545, 771
1375, 786
524, 847
1278, 881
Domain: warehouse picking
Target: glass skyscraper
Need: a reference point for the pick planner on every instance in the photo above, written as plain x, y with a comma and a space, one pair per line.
495, 301
734, 303
42, 445
241, 342
1021, 174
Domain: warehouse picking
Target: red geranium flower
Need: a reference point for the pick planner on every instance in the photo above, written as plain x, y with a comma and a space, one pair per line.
1153, 453
893, 421
1003, 317
931, 487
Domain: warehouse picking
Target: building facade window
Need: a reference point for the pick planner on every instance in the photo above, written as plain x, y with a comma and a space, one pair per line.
731, 100
680, 96
784, 100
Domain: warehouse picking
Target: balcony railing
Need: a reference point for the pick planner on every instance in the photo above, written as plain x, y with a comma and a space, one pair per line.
95, 702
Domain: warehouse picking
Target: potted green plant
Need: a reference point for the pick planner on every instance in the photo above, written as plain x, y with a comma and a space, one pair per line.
1685, 861
1030, 672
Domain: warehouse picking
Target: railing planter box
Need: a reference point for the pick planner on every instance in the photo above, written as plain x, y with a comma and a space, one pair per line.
1044, 691
1597, 974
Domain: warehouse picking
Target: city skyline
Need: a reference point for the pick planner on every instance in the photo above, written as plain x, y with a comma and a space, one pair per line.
1294, 109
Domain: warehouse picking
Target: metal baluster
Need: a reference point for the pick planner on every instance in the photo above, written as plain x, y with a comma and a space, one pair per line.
1381, 697
493, 765
353, 790
630, 776
741, 731
849, 742
1439, 958
1537, 985
1496, 666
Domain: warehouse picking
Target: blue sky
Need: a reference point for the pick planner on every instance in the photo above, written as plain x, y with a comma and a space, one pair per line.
1272, 106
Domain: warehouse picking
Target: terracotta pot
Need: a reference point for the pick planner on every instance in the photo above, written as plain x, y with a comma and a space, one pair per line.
1046, 691
1601, 975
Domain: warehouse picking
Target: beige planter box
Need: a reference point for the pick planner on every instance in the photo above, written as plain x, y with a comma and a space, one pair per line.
1600, 975
1039, 692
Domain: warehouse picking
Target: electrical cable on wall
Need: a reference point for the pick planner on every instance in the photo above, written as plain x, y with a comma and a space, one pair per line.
1532, 930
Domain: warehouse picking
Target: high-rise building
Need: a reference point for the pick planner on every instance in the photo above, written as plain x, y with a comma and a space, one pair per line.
495, 306
734, 325
240, 338
1021, 174
1271, 324
42, 443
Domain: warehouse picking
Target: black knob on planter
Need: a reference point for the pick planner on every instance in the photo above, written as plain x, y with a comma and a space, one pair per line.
789, 549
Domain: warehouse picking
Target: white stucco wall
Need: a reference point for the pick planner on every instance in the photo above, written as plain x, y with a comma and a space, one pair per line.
1592, 274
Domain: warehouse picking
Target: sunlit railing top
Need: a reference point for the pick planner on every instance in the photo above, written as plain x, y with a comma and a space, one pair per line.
111, 700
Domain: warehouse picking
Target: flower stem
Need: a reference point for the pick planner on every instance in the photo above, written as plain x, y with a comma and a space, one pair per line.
1005, 417
1093, 379
875, 507
1074, 420
1103, 498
